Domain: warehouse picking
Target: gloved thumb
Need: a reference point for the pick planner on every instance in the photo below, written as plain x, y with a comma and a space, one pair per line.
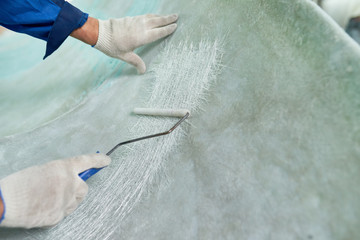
84, 162
135, 60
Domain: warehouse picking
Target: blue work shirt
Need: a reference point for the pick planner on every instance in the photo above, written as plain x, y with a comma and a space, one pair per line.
49, 20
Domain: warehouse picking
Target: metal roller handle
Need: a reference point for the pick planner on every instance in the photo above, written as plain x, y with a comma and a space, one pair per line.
88, 173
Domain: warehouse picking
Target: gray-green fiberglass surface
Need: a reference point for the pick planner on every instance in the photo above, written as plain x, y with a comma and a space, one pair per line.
271, 150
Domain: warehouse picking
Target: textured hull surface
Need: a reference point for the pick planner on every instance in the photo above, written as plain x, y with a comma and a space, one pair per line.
271, 150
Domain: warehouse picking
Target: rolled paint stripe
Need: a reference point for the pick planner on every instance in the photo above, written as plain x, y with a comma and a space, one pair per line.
161, 112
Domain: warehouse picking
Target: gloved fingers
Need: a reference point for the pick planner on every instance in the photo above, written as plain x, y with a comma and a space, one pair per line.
134, 59
70, 209
150, 15
84, 162
157, 33
81, 192
162, 20
52, 220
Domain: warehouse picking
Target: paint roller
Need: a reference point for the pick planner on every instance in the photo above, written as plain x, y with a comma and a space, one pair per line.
182, 113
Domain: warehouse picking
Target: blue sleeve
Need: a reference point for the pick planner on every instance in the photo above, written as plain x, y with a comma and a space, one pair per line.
49, 20
2, 199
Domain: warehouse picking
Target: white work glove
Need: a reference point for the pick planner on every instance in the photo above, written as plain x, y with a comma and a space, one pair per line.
342, 11
119, 37
43, 195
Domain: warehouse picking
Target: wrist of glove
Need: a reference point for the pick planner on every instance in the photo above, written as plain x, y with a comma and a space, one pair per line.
43, 195
118, 38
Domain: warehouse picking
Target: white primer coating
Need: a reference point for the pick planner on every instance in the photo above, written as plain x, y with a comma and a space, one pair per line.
161, 112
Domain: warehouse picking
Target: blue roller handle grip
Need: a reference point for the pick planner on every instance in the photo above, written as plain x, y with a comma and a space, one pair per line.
85, 175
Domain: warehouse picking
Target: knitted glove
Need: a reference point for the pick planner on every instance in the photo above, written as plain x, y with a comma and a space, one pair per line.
43, 195
342, 11
119, 37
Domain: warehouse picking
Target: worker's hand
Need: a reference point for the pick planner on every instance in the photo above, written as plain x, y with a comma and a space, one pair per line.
119, 37
43, 195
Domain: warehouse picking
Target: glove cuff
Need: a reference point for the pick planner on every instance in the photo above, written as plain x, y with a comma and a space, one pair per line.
104, 42
4, 208
13, 200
